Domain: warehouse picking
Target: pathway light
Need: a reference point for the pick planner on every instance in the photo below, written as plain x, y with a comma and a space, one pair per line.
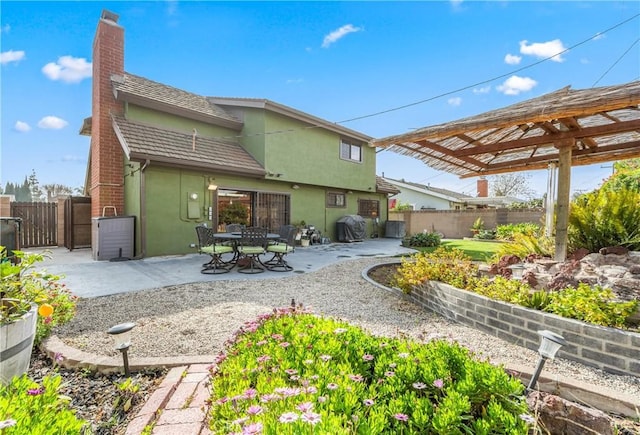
122, 341
549, 346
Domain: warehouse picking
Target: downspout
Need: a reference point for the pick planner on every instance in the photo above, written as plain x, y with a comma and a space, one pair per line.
143, 211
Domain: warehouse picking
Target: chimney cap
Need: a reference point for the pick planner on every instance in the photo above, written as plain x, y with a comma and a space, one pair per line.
108, 15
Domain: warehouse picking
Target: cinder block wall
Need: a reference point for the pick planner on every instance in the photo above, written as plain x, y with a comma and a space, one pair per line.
609, 349
456, 224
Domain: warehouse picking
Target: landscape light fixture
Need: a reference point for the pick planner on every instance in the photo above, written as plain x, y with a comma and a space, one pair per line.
517, 270
122, 341
549, 346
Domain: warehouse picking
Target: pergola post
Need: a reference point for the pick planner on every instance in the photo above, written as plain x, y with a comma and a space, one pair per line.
564, 189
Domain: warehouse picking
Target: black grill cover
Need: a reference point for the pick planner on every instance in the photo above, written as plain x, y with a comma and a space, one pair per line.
351, 228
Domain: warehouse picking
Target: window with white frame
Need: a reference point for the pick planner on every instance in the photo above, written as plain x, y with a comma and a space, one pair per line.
350, 151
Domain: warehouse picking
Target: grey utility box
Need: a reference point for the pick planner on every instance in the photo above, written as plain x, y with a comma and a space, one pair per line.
394, 229
112, 238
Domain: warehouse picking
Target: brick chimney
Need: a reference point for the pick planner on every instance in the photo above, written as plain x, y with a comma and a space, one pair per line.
483, 187
107, 157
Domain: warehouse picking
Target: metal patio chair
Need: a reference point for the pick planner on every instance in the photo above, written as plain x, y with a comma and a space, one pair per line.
277, 263
207, 245
251, 246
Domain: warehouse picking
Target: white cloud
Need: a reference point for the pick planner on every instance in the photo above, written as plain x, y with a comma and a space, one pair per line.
484, 90
22, 127
5, 29
455, 101
11, 56
52, 123
544, 50
338, 34
294, 81
68, 69
514, 85
512, 59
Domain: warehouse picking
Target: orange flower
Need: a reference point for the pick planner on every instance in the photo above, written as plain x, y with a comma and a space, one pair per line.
45, 310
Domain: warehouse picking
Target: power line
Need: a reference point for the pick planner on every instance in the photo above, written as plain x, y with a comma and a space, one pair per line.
489, 80
616, 62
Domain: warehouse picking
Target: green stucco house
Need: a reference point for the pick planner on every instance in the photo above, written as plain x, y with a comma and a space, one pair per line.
174, 159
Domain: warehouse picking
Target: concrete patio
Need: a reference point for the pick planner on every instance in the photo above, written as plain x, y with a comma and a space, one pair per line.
89, 278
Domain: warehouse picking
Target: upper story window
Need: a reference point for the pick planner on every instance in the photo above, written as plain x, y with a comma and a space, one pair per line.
350, 151
335, 199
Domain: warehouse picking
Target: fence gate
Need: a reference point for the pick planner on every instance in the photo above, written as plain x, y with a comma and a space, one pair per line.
39, 223
77, 222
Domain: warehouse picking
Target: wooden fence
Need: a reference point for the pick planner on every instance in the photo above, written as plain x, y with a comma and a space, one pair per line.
38, 223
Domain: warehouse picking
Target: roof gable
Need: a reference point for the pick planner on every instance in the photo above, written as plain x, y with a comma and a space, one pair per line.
427, 190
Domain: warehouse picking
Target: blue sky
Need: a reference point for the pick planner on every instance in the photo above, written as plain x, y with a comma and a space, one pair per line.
335, 60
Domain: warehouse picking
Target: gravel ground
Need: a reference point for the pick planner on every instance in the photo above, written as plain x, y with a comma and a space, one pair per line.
196, 319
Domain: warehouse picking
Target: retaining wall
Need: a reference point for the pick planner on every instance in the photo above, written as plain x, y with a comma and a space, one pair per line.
612, 350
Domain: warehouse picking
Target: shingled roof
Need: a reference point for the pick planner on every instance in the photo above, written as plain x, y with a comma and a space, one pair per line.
600, 124
142, 142
383, 186
148, 93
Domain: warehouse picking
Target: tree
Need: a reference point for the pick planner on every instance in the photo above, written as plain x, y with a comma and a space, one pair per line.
515, 184
55, 190
34, 186
626, 176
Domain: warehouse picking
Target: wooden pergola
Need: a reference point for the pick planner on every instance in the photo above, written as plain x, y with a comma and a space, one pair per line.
566, 128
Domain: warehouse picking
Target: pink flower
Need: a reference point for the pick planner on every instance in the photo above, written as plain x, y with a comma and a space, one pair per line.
252, 429
288, 417
356, 378
305, 407
438, 383
389, 374
250, 393
311, 417
332, 386
325, 358
291, 371
367, 357
368, 402
322, 399
401, 417
254, 410
277, 337
285, 344
35, 391
263, 358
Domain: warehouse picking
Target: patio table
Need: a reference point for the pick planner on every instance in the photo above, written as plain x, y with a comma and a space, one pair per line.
234, 238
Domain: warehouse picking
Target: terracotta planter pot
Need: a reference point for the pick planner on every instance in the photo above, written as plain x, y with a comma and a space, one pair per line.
16, 343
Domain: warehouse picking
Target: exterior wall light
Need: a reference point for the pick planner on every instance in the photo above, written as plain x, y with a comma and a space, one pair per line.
193, 196
122, 341
295, 187
549, 346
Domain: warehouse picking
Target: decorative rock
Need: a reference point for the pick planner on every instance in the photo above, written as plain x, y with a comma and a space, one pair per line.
579, 254
563, 417
618, 250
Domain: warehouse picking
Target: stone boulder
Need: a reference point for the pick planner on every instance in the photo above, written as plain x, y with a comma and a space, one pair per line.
560, 416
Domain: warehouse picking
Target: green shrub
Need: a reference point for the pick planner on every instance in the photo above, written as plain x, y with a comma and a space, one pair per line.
605, 218
508, 231
524, 245
447, 265
422, 240
293, 372
593, 305
28, 408
485, 235
23, 282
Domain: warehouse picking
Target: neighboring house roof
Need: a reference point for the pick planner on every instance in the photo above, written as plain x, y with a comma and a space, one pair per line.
428, 190
142, 142
272, 106
383, 186
147, 93
493, 201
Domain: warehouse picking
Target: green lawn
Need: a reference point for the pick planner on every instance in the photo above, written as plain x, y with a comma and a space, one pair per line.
477, 250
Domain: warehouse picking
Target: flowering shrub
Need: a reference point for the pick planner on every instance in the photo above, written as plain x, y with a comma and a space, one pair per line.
447, 265
295, 373
589, 304
22, 282
28, 408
